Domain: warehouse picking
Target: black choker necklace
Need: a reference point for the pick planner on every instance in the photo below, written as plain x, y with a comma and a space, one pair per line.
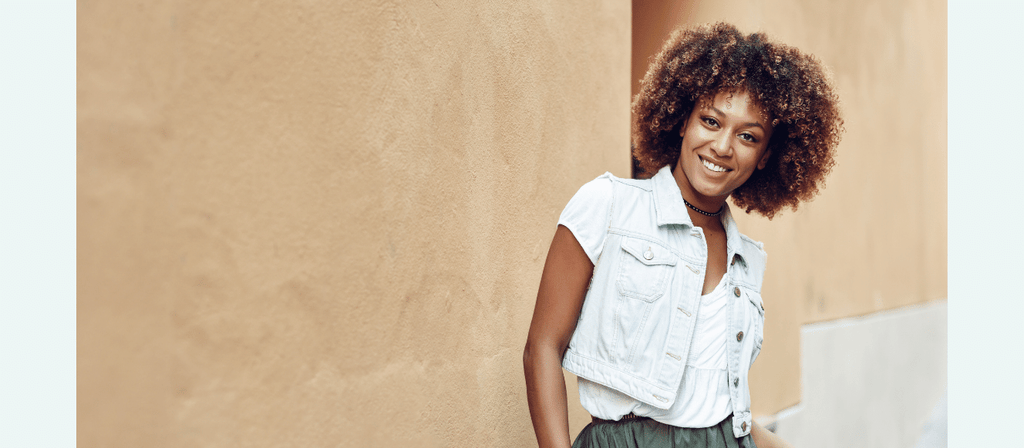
719, 212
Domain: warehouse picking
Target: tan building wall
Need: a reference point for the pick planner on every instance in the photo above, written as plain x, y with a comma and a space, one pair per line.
323, 224
875, 238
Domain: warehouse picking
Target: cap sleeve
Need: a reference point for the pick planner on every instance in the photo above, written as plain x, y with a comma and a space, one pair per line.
588, 214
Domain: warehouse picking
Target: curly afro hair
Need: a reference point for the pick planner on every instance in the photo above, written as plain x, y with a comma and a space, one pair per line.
793, 89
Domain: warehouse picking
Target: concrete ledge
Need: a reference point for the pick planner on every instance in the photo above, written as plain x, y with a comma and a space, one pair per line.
873, 381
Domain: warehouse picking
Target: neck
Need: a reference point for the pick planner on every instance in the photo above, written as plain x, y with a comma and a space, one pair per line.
704, 221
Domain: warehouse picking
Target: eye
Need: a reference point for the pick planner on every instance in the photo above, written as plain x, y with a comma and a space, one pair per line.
748, 137
710, 121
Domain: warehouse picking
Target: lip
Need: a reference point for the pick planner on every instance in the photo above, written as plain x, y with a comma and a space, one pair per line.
704, 160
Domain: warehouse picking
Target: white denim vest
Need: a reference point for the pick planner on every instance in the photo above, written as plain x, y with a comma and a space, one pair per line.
637, 321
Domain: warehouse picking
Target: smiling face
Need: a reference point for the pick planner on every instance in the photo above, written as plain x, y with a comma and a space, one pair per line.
724, 141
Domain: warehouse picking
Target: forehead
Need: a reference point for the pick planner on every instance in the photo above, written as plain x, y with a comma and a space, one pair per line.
736, 103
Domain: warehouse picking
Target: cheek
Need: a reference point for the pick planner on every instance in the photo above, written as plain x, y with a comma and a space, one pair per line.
752, 162
695, 136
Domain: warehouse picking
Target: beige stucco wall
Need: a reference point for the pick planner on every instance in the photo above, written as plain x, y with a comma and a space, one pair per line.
875, 238
323, 223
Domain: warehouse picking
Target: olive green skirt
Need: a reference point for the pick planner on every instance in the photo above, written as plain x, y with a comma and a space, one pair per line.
647, 433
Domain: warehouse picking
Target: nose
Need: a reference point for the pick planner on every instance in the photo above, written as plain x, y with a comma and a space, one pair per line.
722, 145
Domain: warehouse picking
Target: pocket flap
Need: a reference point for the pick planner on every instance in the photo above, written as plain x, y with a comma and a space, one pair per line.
754, 298
647, 252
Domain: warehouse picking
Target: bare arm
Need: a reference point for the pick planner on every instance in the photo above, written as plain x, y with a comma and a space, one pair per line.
764, 438
563, 285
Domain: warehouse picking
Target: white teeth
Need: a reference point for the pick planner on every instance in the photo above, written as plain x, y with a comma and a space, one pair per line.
712, 166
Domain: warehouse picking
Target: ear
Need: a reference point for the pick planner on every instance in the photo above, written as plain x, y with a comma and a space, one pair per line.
764, 159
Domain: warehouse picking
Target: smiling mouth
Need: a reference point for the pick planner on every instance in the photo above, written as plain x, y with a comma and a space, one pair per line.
712, 166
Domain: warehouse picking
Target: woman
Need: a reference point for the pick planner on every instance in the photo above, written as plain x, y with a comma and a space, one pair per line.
649, 294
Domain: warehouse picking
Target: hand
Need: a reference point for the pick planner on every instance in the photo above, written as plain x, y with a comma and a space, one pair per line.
764, 438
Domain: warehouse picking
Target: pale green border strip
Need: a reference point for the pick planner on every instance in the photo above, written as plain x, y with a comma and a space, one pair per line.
37, 224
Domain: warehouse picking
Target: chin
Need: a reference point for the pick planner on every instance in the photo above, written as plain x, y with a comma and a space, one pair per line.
711, 190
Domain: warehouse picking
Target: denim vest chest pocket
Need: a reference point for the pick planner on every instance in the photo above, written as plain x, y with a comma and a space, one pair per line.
645, 269
644, 274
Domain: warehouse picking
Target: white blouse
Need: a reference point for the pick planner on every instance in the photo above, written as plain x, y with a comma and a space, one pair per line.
703, 396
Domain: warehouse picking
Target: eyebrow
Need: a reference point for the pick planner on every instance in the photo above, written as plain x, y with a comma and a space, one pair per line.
754, 123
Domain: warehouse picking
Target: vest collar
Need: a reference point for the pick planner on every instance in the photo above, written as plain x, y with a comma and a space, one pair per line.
670, 209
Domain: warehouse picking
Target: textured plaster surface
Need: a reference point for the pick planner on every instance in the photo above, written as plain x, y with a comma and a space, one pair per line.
323, 223
874, 239
873, 381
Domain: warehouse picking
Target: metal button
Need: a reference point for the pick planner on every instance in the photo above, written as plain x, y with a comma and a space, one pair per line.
736, 291
739, 336
648, 255
744, 426
735, 382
